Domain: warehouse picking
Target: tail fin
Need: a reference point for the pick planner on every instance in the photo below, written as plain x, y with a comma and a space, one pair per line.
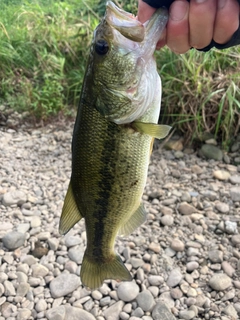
93, 273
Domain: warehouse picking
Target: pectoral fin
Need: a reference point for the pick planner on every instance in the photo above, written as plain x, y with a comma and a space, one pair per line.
154, 130
70, 213
138, 217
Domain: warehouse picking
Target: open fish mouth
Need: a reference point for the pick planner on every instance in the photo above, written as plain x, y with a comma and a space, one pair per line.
125, 22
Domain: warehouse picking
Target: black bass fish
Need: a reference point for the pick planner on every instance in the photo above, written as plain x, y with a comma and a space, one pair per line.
112, 139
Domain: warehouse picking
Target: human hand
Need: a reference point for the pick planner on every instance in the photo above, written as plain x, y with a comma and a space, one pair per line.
195, 24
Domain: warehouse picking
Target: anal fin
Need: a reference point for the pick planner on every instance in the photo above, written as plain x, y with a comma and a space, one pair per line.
70, 213
154, 130
136, 219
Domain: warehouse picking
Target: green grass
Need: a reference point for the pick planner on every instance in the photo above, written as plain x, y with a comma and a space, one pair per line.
44, 46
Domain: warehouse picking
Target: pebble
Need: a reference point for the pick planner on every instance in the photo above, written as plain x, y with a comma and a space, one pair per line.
17, 197
235, 193
177, 245
211, 152
13, 240
113, 312
187, 314
145, 300
161, 312
127, 291
220, 281
167, 220
221, 175
174, 277
186, 209
64, 284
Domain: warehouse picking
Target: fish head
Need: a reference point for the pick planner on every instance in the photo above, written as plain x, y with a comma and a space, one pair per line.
122, 67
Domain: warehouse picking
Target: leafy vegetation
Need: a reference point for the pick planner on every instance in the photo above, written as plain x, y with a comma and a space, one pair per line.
43, 52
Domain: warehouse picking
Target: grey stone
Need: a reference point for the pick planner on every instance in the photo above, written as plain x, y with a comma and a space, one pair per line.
174, 277
155, 280
71, 241
127, 291
235, 193
39, 270
186, 209
57, 313
74, 313
24, 314
236, 239
64, 284
215, 256
138, 312
231, 311
222, 207
9, 288
17, 197
22, 289
41, 305
76, 254
13, 240
211, 152
186, 314
220, 281
177, 245
113, 312
167, 220
235, 179
161, 312
231, 227
145, 300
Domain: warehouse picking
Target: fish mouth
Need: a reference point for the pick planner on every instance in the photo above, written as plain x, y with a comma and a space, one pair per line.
125, 22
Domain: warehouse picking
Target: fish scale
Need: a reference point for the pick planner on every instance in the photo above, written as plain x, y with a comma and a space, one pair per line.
110, 152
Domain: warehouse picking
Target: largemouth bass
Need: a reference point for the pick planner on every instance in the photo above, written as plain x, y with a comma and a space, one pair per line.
112, 139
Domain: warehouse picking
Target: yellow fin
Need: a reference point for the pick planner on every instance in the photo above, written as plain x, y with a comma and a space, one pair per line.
94, 273
154, 130
70, 213
136, 219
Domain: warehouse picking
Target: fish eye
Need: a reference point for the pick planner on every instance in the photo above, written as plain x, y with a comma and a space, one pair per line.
101, 47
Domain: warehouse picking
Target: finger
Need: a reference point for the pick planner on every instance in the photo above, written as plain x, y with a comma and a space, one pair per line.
162, 41
201, 22
227, 20
144, 11
177, 27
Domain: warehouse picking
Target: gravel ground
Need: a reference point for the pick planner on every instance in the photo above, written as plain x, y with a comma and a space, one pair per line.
185, 260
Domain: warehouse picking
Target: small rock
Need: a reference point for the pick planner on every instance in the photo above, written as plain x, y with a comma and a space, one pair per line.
41, 305
167, 220
186, 209
228, 269
177, 245
176, 293
9, 288
145, 300
23, 314
57, 313
211, 152
155, 280
113, 312
64, 284
174, 277
186, 314
155, 247
235, 193
192, 265
35, 222
222, 207
236, 239
221, 175
231, 312
127, 291
231, 227
235, 179
75, 313
220, 281
161, 312
17, 197
39, 270
215, 256
13, 240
